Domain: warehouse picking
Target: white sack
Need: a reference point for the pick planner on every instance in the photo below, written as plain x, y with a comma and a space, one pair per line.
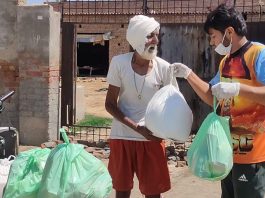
4, 171
168, 115
139, 27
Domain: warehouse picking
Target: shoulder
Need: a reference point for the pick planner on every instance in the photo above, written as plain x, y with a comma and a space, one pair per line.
260, 47
257, 44
259, 58
161, 62
256, 52
121, 62
256, 47
122, 57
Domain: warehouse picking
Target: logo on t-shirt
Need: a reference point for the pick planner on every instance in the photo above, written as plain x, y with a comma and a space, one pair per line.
243, 178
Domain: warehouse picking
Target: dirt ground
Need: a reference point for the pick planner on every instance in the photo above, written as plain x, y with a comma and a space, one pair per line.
95, 90
184, 184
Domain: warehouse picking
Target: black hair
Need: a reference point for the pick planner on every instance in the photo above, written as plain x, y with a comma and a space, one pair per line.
223, 17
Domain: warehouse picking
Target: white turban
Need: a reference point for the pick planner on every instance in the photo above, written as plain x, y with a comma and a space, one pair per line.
139, 27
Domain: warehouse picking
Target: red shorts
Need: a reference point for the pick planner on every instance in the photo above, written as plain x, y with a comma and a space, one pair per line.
145, 158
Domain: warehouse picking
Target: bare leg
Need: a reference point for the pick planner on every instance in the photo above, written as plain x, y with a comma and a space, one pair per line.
123, 194
153, 196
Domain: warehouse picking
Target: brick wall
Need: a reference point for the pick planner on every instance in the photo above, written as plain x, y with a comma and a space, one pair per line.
38, 59
9, 81
118, 44
21, 2
9, 72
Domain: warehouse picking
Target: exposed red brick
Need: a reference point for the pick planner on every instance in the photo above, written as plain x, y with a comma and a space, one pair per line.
34, 73
54, 73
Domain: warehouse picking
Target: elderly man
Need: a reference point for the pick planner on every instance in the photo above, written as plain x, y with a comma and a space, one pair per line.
133, 79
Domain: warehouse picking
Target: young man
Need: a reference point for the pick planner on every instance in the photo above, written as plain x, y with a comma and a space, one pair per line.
133, 79
240, 87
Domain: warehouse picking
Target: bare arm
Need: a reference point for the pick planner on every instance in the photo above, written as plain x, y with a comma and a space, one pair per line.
201, 88
111, 105
256, 94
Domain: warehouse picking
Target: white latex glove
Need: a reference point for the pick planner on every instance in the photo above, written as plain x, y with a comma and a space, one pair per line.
180, 70
224, 90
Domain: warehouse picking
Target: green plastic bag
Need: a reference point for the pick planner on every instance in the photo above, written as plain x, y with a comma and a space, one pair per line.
25, 174
210, 156
71, 172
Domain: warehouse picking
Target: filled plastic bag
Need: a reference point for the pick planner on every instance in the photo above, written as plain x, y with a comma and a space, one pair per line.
25, 174
73, 172
210, 155
168, 115
4, 171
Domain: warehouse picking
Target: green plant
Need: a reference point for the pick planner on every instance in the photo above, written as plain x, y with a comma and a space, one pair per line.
91, 120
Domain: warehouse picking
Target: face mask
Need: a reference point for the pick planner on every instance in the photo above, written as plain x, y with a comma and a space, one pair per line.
221, 49
150, 52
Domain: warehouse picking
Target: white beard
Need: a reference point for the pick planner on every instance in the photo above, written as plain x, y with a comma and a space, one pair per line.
150, 52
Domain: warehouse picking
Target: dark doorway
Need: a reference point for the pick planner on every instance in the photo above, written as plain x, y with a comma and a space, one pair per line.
92, 58
68, 74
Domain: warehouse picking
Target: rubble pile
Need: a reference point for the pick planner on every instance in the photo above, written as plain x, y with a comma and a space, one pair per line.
176, 152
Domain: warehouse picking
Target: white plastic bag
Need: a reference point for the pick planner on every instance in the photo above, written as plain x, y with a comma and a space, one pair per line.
168, 115
4, 171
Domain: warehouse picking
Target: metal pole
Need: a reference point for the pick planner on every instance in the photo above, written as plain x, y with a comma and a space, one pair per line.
145, 8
